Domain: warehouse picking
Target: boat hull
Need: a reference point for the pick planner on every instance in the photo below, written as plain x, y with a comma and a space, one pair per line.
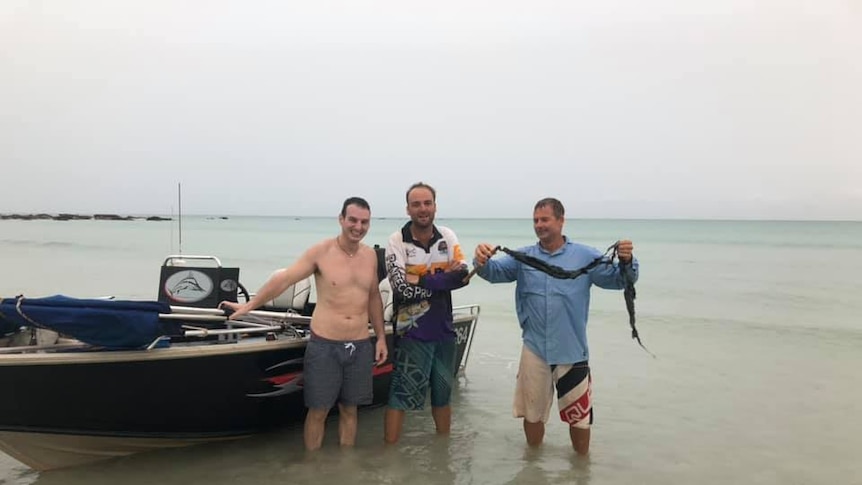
69, 408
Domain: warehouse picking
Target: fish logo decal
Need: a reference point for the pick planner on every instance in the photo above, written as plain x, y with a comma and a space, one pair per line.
409, 315
188, 286
229, 285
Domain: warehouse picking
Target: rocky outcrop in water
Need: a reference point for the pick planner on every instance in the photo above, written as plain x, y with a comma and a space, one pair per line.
112, 217
79, 217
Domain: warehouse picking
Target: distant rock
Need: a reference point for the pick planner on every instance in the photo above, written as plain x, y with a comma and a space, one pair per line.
63, 216
112, 217
27, 217
71, 217
32, 217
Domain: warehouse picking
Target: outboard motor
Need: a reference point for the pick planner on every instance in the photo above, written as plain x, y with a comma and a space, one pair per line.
381, 262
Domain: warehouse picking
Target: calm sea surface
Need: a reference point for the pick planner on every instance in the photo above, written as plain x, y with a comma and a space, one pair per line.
756, 327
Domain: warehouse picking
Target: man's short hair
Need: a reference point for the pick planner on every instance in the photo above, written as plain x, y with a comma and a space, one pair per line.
556, 206
357, 201
421, 185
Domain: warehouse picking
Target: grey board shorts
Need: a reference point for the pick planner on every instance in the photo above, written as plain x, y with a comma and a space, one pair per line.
339, 371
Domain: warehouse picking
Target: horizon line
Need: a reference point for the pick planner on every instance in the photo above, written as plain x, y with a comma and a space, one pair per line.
405, 218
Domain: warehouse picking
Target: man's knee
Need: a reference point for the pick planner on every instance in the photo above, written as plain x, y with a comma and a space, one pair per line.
317, 415
348, 411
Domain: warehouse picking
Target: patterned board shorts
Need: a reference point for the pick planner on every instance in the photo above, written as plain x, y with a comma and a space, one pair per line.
336, 370
537, 381
418, 366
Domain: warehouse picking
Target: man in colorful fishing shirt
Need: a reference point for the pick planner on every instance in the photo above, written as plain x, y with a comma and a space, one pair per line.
424, 264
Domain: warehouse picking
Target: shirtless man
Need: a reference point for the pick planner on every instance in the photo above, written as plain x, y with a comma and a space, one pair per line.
339, 356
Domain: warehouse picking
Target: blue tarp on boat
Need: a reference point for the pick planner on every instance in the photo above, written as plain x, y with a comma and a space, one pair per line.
7, 327
118, 324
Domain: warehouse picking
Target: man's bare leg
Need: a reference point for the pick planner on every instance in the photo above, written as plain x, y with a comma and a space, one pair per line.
392, 422
442, 418
534, 432
580, 440
315, 421
346, 425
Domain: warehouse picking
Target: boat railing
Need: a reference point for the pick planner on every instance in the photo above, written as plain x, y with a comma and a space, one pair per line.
180, 259
253, 323
218, 315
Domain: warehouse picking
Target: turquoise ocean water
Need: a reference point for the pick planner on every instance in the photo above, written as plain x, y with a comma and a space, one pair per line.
756, 327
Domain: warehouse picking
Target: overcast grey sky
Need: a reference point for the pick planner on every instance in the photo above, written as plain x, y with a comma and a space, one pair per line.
620, 108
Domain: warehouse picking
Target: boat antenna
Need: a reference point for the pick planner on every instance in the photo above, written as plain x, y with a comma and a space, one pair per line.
180, 216
172, 228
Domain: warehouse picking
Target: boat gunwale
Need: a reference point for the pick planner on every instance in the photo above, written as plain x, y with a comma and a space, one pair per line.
183, 350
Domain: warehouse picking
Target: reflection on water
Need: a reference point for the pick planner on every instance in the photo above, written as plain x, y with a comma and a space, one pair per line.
475, 452
552, 465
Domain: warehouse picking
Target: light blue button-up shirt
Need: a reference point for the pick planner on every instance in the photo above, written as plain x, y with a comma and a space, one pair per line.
553, 312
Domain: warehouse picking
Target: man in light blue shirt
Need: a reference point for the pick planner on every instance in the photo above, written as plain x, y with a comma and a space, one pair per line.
553, 315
